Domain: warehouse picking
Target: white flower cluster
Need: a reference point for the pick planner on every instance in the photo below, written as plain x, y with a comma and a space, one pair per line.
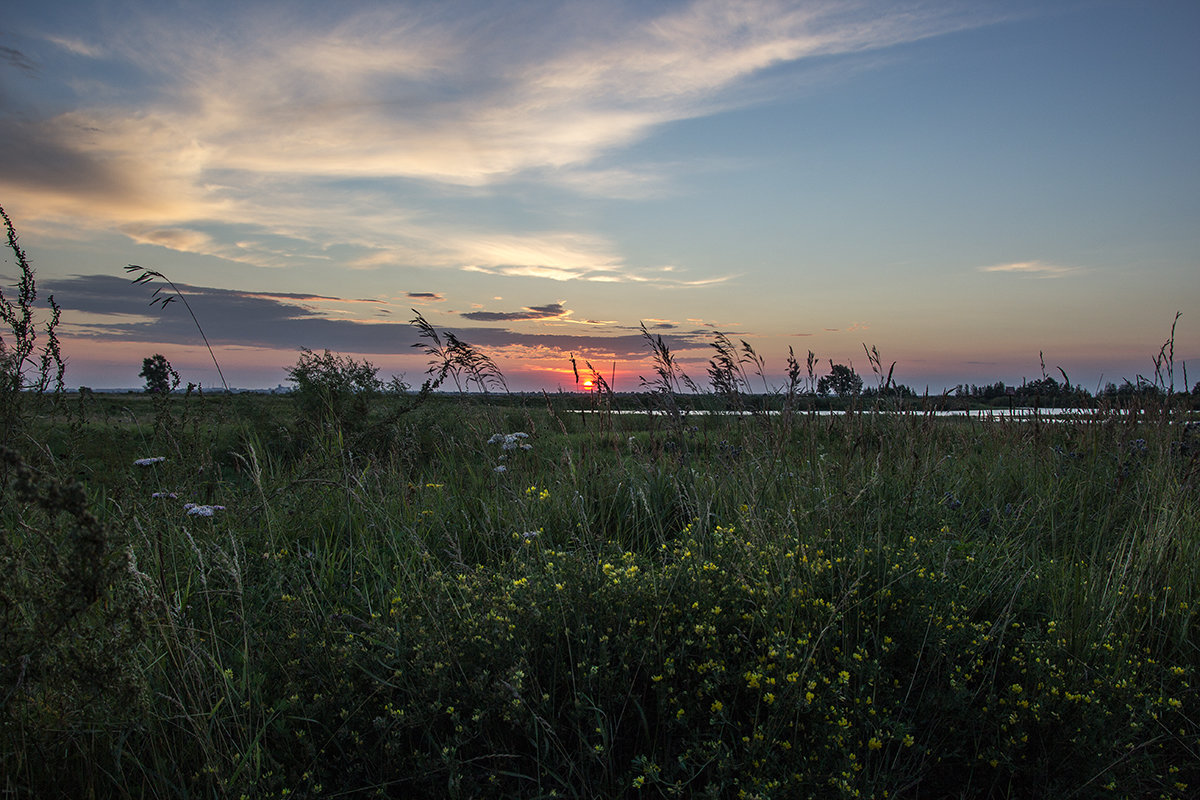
511, 441
194, 510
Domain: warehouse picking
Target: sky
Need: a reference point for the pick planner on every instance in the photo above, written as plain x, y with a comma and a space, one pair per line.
972, 188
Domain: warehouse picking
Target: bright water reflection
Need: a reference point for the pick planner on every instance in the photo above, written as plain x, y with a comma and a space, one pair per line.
1062, 414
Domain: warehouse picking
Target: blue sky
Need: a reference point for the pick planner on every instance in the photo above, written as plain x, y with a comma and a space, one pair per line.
962, 185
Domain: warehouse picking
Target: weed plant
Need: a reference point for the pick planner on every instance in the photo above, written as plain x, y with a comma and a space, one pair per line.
27, 371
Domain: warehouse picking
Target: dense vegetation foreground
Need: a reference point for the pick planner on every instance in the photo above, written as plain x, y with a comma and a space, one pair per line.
465, 600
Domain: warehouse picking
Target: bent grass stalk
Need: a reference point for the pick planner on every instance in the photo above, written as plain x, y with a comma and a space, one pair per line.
162, 300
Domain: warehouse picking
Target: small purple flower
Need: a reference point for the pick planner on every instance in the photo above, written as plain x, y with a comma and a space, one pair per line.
165, 495
145, 462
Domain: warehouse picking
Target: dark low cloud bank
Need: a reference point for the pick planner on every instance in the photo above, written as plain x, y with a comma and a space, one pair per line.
255, 319
282, 321
551, 311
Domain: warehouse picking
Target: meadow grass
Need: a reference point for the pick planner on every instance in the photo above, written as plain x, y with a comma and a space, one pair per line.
384, 593
422, 604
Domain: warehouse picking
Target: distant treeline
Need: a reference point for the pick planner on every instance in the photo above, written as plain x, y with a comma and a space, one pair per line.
1047, 391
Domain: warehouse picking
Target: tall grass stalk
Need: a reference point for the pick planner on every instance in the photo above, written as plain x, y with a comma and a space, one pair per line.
163, 300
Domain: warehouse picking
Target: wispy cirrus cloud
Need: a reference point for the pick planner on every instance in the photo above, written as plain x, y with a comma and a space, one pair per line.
1033, 269
663, 277
78, 46
258, 119
182, 239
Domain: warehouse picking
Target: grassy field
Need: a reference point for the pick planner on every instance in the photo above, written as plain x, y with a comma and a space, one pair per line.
458, 599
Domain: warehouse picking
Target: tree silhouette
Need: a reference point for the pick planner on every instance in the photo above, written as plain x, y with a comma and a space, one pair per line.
841, 379
160, 377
